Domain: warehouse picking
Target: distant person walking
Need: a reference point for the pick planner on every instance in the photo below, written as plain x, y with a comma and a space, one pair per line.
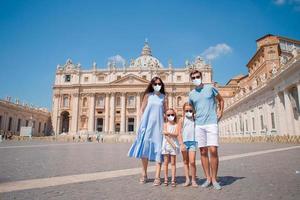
147, 145
203, 99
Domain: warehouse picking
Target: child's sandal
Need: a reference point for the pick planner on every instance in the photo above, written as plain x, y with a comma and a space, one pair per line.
166, 183
194, 184
173, 183
143, 179
156, 182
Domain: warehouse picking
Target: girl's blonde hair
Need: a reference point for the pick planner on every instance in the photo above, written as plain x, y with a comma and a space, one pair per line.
175, 118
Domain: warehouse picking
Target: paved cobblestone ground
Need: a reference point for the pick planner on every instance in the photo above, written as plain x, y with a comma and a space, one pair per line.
267, 176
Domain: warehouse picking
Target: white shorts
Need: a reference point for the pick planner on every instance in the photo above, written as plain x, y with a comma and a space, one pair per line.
169, 150
207, 135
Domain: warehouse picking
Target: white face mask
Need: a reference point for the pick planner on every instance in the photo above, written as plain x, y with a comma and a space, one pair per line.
197, 81
171, 118
188, 114
157, 88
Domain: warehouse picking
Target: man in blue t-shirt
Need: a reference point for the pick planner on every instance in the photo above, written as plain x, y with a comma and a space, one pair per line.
204, 100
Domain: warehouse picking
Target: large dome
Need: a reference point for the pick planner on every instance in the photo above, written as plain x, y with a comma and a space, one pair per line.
146, 59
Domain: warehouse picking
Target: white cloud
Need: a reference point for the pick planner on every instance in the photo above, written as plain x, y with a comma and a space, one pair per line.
117, 59
213, 52
294, 3
279, 2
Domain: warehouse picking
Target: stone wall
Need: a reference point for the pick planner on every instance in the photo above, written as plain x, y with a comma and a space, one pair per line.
114, 138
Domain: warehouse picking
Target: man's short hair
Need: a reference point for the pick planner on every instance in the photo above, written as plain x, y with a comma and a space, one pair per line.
195, 72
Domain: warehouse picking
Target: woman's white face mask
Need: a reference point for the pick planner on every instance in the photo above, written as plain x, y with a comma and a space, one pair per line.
188, 114
156, 88
171, 118
197, 81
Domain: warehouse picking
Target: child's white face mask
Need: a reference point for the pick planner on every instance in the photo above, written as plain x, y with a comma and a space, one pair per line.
171, 118
188, 114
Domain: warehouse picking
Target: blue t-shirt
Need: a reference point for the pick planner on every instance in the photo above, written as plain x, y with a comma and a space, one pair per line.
204, 102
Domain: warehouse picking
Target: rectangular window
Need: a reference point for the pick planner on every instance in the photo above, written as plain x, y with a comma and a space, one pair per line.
19, 125
131, 101
86, 79
253, 124
100, 78
178, 78
273, 120
27, 122
0, 121
67, 78
118, 77
130, 124
261, 122
39, 127
9, 124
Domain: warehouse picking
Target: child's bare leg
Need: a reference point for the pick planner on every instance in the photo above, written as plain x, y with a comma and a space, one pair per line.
192, 161
144, 167
173, 166
186, 167
158, 169
166, 163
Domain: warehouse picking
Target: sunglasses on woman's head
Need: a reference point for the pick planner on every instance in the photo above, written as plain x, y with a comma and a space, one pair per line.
170, 115
195, 77
155, 84
189, 111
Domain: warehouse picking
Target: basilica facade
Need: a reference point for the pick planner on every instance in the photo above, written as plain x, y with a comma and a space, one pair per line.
108, 99
266, 100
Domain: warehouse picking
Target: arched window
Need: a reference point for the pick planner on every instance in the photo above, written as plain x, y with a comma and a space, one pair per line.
179, 100
65, 101
100, 101
83, 122
84, 102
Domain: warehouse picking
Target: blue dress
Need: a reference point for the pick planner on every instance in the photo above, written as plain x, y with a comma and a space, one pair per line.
149, 137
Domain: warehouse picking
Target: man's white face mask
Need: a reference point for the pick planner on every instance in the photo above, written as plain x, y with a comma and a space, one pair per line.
197, 81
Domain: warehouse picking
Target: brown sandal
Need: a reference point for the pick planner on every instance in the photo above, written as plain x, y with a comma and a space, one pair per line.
173, 183
143, 179
156, 182
166, 183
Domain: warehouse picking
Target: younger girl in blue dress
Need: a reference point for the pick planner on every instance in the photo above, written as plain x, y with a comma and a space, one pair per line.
147, 145
170, 147
188, 145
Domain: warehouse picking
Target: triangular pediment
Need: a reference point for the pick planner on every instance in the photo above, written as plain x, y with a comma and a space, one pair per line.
130, 79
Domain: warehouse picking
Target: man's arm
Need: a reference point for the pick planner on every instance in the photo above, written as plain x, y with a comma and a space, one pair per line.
220, 106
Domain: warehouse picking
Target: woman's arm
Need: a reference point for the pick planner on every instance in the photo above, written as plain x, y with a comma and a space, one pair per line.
144, 104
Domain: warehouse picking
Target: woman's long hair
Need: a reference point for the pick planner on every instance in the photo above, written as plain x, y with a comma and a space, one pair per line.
150, 89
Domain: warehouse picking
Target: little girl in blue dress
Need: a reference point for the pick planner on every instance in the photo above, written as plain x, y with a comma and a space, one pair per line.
147, 145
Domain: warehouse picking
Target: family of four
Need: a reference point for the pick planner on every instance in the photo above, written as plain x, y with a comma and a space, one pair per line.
161, 136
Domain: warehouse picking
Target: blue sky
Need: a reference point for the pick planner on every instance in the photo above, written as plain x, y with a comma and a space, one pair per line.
36, 35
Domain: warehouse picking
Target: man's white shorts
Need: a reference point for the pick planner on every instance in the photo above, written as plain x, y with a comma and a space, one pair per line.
207, 135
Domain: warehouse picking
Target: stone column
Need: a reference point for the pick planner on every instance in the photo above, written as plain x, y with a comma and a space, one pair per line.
55, 115
288, 113
298, 91
138, 110
279, 116
91, 125
123, 113
106, 126
170, 99
112, 113
75, 105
